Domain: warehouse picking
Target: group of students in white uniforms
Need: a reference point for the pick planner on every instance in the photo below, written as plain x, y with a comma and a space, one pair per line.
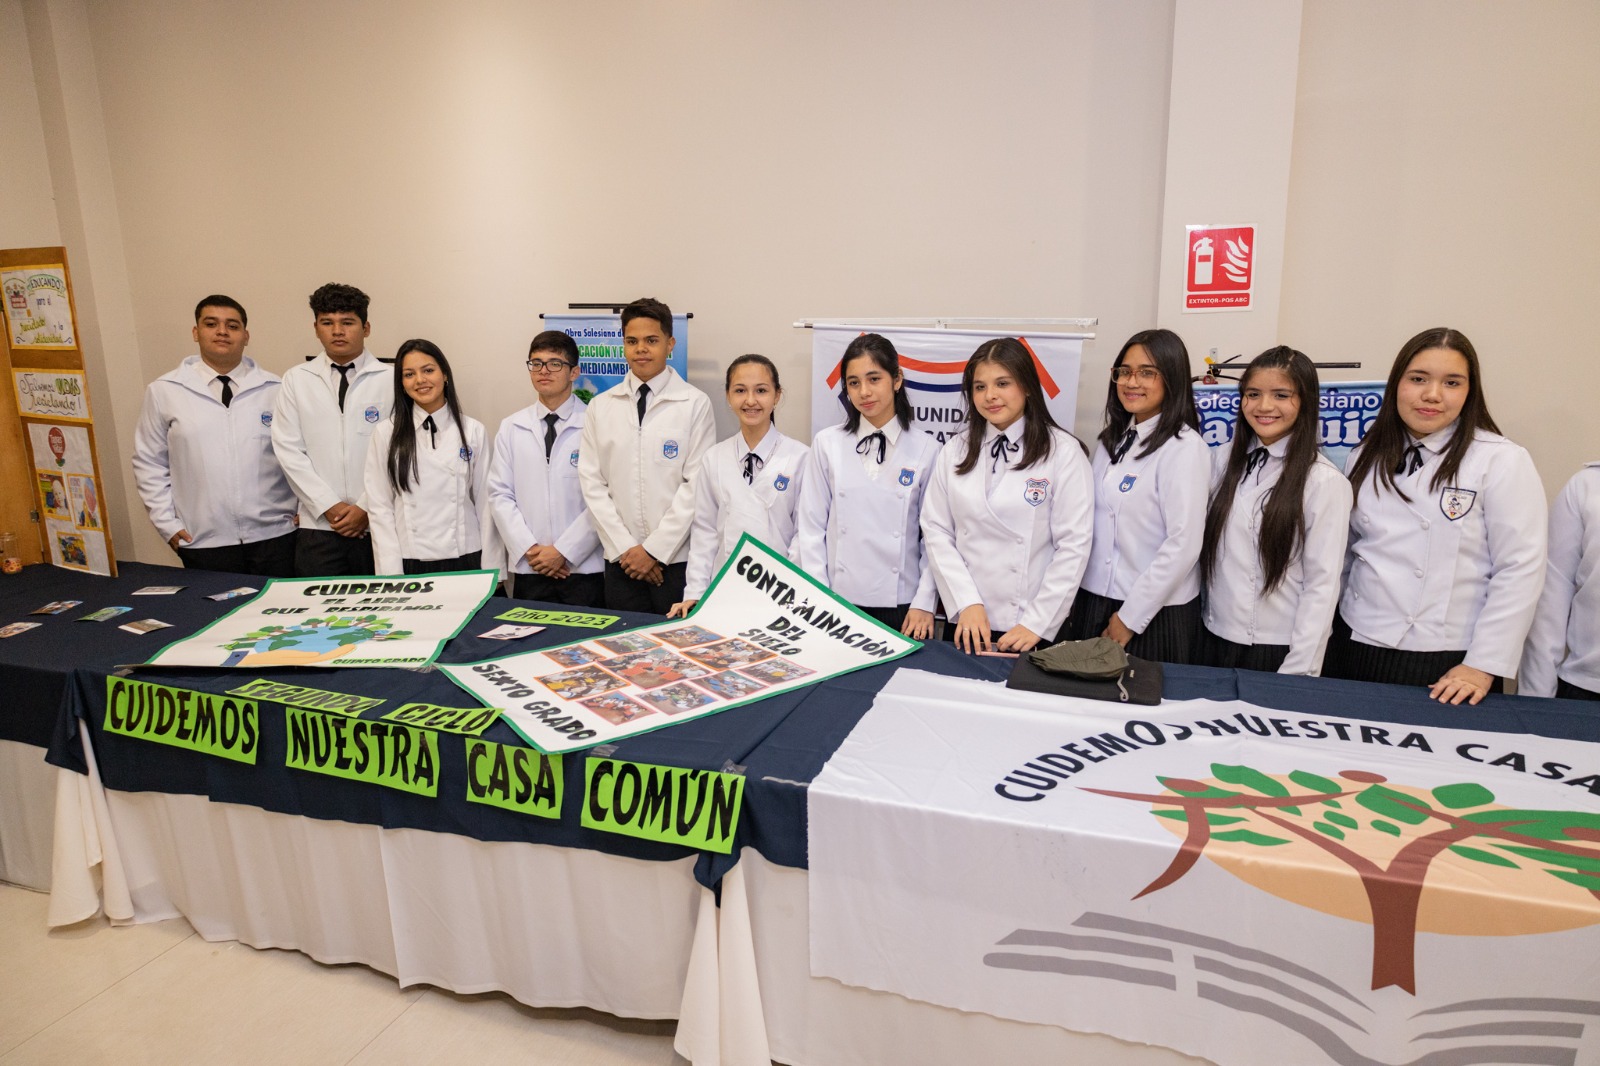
1422, 565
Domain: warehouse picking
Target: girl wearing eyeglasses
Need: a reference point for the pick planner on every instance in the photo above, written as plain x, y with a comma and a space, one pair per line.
1447, 550
749, 483
1276, 527
858, 525
1151, 474
1009, 512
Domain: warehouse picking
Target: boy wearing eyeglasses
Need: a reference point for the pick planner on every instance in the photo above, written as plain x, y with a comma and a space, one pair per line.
534, 492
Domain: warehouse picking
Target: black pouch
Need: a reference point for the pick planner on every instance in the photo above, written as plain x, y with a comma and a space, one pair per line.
1140, 683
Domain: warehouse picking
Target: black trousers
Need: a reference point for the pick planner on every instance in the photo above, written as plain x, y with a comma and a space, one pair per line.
1169, 638
574, 590
893, 617
1349, 658
324, 553
469, 561
1216, 651
623, 593
273, 557
1566, 690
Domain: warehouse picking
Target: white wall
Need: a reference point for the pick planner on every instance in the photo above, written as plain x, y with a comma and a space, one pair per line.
27, 206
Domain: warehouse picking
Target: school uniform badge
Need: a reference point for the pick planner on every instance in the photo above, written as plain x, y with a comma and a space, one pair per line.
669, 449
266, 419
1036, 491
371, 414
573, 458
907, 476
781, 482
1455, 503
465, 453
1127, 482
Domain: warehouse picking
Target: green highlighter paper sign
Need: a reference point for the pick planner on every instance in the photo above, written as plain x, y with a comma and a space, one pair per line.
763, 627
224, 726
379, 753
312, 699
514, 778
575, 619
695, 808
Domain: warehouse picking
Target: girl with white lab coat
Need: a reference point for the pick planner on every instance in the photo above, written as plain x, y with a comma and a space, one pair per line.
1152, 472
858, 528
1562, 656
426, 474
1276, 527
749, 483
1009, 513
1444, 568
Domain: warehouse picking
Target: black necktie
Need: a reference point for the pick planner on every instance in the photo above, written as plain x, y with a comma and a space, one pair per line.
433, 432
550, 421
1410, 462
999, 452
1258, 458
864, 445
344, 380
644, 394
1123, 445
752, 463
227, 390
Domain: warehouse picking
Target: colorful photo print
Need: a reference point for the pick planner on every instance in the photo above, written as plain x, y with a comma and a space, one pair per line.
676, 699
53, 490
731, 686
581, 683
776, 671
687, 636
85, 502
577, 655
627, 642
73, 550
616, 709
652, 669
729, 654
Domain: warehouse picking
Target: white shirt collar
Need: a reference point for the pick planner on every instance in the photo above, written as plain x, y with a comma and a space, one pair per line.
890, 431
1437, 441
658, 384
441, 417
1013, 432
565, 411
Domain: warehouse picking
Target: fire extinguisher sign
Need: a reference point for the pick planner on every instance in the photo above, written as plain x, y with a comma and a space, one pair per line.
1220, 268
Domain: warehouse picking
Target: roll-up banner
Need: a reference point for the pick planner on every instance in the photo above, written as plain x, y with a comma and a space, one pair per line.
601, 361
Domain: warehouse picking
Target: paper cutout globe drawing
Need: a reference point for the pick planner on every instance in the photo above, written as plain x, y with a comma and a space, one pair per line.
313, 640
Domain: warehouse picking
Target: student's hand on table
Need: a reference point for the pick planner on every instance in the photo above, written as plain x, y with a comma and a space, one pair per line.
1461, 683
183, 535
972, 629
547, 561
1117, 631
918, 624
640, 565
682, 608
1018, 638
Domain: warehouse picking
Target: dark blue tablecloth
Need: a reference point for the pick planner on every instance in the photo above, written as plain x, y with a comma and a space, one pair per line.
54, 679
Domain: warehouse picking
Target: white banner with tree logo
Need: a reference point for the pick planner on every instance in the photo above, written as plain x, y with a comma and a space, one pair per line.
1253, 886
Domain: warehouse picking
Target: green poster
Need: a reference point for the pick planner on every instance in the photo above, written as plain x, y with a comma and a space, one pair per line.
514, 777
380, 753
695, 808
223, 726
470, 721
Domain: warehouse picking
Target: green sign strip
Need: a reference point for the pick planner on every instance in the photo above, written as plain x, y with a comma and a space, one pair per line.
468, 721
313, 699
576, 619
694, 808
380, 753
223, 726
514, 778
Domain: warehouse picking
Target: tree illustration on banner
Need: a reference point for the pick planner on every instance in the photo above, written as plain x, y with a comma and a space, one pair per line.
1403, 859
313, 640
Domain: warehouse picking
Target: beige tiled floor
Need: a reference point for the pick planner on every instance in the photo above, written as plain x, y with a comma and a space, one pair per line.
159, 994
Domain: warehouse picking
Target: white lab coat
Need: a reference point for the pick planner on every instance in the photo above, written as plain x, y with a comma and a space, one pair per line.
1299, 611
207, 468
638, 481
541, 502
1460, 566
1016, 541
323, 451
727, 507
444, 512
862, 536
1149, 524
1564, 640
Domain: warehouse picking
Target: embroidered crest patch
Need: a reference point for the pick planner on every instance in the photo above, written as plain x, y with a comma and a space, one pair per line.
573, 458
371, 414
669, 449
1036, 491
1455, 503
781, 482
907, 475
465, 453
1127, 482
266, 418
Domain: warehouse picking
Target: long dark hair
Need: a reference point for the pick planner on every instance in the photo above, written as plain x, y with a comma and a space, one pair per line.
1010, 356
1386, 441
1283, 512
403, 445
876, 347
758, 360
1177, 405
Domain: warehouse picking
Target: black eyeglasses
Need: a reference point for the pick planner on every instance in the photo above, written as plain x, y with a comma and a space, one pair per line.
537, 365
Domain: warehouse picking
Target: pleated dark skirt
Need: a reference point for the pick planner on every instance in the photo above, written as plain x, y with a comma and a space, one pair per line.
1566, 690
1351, 659
893, 617
1215, 651
1171, 636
